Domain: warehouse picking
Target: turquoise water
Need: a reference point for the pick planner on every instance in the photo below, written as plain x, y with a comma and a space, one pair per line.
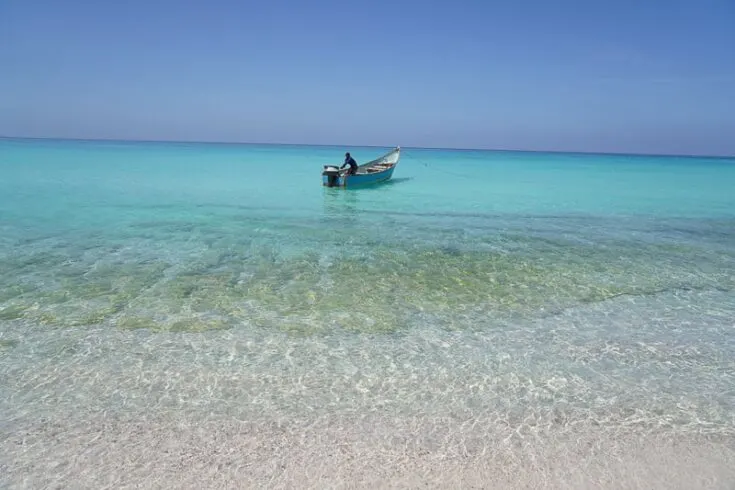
541, 290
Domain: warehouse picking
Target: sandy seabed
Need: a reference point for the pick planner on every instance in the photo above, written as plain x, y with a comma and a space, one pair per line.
373, 451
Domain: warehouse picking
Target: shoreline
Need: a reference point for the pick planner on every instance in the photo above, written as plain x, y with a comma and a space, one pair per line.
375, 451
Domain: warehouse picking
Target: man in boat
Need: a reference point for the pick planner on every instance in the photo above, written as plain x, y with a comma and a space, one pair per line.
351, 162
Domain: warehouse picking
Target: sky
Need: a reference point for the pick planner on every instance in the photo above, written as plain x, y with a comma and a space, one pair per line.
628, 76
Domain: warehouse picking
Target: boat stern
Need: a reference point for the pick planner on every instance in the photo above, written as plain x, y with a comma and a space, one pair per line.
331, 176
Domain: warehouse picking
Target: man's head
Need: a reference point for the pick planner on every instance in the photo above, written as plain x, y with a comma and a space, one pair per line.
347, 154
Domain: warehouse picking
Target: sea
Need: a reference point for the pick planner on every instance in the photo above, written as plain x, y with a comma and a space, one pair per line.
209, 315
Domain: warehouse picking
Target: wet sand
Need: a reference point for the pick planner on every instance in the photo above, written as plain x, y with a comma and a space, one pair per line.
372, 452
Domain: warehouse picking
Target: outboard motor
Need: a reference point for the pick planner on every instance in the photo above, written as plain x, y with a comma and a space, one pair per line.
332, 174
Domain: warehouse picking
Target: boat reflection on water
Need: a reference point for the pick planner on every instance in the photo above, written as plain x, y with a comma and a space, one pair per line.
340, 206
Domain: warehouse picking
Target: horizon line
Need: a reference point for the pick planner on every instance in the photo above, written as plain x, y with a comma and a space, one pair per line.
335, 145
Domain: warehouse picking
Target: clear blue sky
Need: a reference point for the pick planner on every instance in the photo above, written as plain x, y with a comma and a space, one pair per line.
619, 76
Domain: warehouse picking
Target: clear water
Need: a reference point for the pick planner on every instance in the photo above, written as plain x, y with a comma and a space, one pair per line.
223, 282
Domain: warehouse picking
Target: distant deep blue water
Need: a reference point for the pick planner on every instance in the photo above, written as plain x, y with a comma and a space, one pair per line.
224, 280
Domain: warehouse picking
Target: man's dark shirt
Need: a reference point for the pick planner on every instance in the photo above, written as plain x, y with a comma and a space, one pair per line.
352, 163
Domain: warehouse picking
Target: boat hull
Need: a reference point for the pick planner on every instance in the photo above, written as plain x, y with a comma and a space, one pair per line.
358, 179
373, 172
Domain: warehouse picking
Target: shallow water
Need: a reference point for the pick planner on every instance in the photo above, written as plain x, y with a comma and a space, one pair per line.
532, 293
